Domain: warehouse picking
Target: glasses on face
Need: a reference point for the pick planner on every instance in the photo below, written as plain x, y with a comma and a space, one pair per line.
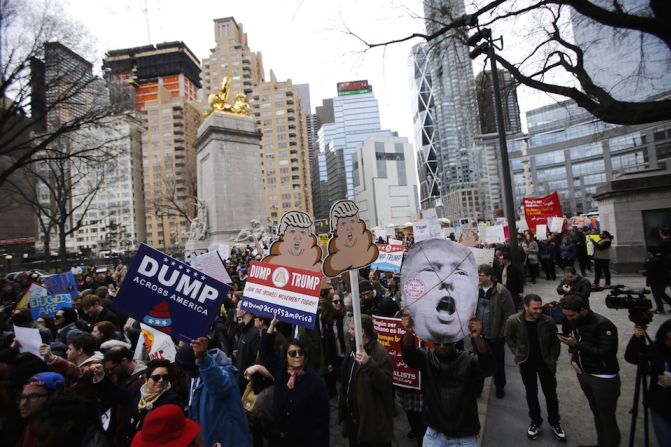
337, 301
157, 377
32, 397
296, 353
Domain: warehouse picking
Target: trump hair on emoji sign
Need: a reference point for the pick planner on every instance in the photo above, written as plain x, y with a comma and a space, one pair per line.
439, 287
296, 245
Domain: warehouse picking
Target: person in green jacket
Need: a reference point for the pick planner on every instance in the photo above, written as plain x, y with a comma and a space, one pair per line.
532, 338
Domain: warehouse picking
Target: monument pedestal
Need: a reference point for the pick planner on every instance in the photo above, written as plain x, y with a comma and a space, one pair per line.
230, 183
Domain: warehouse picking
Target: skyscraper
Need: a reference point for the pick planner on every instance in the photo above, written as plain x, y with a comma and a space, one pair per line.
165, 80
456, 113
231, 57
485, 95
284, 148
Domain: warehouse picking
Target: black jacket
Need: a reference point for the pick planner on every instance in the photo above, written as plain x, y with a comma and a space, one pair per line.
514, 280
658, 357
449, 387
596, 350
248, 348
580, 287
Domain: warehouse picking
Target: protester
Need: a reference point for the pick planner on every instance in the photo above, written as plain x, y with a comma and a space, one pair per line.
602, 258
365, 404
656, 360
581, 251
214, 399
332, 321
495, 306
66, 326
568, 252
135, 402
574, 284
450, 378
530, 247
36, 393
592, 342
247, 346
532, 338
375, 303
167, 426
548, 252
300, 407
95, 312
658, 271
513, 279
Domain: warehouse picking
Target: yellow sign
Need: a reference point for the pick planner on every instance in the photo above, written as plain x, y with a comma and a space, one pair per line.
324, 239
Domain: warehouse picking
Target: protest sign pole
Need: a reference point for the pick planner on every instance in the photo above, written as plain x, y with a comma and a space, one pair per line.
356, 306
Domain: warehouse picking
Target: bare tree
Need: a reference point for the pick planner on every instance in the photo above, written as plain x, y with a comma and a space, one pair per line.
552, 62
42, 98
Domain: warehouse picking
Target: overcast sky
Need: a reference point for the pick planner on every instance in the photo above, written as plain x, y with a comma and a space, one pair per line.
303, 40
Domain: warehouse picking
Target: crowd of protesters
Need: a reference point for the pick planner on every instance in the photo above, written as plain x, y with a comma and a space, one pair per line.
257, 381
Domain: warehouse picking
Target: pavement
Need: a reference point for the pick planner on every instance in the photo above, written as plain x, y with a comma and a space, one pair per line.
505, 421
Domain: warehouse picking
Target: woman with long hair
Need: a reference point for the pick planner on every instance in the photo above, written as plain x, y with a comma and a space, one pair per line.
530, 247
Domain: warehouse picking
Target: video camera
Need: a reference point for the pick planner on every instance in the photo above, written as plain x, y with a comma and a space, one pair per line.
623, 297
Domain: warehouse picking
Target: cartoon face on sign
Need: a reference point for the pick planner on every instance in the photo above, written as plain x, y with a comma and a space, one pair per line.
351, 245
297, 246
439, 286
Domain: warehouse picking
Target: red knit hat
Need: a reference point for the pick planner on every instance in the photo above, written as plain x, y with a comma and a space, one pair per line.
159, 317
166, 426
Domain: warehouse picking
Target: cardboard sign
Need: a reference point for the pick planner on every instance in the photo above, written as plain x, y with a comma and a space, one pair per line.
42, 304
389, 259
29, 340
483, 255
169, 295
495, 235
541, 232
555, 224
156, 344
212, 264
389, 332
289, 292
296, 244
61, 283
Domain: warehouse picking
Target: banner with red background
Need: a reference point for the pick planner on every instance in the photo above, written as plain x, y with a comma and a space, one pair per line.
538, 209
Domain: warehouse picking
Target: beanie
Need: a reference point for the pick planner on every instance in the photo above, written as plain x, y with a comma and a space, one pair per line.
365, 286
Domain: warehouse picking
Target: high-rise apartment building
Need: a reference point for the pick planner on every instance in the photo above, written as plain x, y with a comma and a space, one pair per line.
231, 57
485, 95
320, 195
165, 80
456, 113
284, 148
385, 184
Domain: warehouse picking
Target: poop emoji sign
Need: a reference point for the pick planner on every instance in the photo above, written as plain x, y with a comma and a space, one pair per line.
439, 286
351, 245
296, 245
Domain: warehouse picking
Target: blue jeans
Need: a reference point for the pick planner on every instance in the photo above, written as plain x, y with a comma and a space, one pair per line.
662, 428
433, 438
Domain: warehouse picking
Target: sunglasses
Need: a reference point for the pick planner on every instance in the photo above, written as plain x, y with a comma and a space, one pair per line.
296, 353
337, 301
157, 377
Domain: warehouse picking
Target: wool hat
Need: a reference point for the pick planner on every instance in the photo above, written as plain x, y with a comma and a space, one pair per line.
159, 317
365, 286
166, 426
50, 381
185, 359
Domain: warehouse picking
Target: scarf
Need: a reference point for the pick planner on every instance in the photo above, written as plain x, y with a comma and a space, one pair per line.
293, 373
147, 399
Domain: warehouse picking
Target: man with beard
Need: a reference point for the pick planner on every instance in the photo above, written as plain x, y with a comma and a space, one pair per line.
449, 381
495, 306
532, 338
592, 342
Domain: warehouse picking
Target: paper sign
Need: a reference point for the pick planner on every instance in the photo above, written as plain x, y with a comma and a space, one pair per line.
44, 305
555, 224
495, 235
156, 344
421, 231
290, 292
391, 232
429, 214
389, 332
541, 232
29, 339
212, 264
389, 259
483, 255
169, 295
522, 225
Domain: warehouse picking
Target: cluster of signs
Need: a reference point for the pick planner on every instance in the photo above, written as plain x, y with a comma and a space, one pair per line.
45, 301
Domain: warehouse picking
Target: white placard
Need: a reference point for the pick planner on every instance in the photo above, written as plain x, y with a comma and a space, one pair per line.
429, 214
522, 225
157, 344
29, 339
541, 232
495, 235
211, 264
421, 231
483, 255
556, 224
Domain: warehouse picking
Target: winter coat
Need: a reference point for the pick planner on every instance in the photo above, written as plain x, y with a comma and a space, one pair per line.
579, 286
216, 402
517, 339
531, 250
602, 249
373, 385
568, 251
449, 386
300, 415
501, 308
596, 350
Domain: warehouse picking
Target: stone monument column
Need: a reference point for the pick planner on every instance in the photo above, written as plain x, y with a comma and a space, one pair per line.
230, 183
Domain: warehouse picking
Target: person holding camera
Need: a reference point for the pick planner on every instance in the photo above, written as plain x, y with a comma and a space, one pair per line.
574, 284
592, 342
658, 356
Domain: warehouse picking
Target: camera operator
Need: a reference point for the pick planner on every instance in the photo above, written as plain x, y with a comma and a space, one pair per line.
658, 355
592, 342
658, 270
574, 284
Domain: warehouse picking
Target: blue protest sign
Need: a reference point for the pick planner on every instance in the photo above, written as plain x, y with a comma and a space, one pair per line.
169, 295
61, 283
44, 305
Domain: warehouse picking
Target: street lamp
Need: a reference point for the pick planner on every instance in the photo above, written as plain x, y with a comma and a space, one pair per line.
484, 44
8, 260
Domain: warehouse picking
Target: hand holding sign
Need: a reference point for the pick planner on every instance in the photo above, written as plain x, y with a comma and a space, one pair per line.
199, 347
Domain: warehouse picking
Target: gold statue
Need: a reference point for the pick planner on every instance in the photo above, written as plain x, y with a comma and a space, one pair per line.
218, 101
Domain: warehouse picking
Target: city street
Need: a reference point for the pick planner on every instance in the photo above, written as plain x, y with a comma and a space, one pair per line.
505, 421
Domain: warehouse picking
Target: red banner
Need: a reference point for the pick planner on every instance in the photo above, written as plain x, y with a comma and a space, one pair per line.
537, 210
389, 332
